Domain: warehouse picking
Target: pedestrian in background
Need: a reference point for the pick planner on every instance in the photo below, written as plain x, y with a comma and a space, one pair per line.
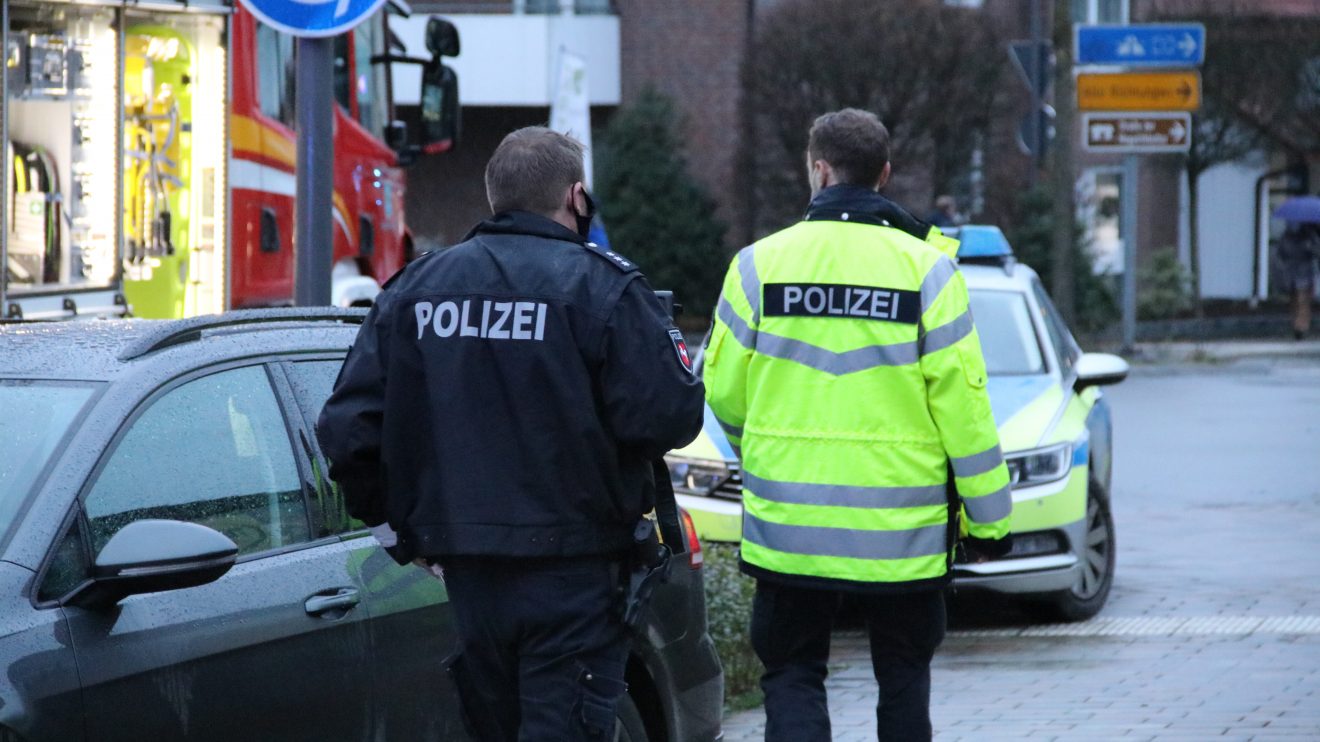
846, 370
499, 414
946, 213
1299, 247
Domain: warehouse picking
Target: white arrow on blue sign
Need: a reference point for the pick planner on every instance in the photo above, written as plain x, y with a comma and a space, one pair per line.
1142, 45
313, 18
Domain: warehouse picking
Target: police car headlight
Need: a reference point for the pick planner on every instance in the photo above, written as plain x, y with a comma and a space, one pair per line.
1039, 467
697, 477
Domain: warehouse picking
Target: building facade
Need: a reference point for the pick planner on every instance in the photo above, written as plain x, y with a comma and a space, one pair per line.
693, 51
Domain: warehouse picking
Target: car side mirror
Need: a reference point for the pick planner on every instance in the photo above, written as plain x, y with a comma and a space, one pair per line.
1099, 369
149, 556
439, 108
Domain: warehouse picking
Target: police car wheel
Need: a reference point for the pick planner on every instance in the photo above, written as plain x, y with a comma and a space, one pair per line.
629, 726
1088, 595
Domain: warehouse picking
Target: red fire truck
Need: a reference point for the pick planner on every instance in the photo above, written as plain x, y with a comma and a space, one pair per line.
153, 173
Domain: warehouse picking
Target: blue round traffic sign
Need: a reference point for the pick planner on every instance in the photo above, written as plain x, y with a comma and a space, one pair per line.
312, 17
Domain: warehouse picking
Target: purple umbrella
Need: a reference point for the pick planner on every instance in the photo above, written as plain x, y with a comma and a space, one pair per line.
1301, 209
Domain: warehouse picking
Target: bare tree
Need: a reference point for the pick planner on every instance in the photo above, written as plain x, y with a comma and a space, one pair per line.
930, 71
1261, 86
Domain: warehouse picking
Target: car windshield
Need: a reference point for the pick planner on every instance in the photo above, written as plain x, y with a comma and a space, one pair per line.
35, 418
1008, 337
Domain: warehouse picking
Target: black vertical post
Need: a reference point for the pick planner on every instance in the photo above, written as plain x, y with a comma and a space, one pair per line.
1127, 224
1062, 178
4, 168
313, 230
1036, 71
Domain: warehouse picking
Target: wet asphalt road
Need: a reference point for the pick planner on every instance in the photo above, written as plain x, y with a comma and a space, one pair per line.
1212, 630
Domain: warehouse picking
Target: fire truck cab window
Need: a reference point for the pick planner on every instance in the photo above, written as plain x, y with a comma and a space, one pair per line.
275, 73
369, 80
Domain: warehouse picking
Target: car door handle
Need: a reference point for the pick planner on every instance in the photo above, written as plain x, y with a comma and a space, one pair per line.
341, 598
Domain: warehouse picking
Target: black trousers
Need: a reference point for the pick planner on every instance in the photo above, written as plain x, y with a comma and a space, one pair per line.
543, 650
791, 634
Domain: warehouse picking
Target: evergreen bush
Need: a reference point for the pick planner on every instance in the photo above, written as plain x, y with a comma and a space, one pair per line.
729, 609
655, 213
1164, 287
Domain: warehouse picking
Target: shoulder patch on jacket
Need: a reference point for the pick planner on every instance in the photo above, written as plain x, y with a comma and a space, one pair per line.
618, 261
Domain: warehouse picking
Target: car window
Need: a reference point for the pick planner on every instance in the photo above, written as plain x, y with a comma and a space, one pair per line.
68, 566
213, 451
1008, 336
35, 419
312, 382
1064, 348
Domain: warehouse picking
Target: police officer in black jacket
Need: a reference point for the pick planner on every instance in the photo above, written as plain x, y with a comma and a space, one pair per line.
498, 415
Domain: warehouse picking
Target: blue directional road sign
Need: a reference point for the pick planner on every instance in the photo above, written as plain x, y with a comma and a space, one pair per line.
1142, 45
313, 18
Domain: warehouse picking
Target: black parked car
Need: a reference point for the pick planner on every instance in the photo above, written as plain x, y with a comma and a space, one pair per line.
135, 455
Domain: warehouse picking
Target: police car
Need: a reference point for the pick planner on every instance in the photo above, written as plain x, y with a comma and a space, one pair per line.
1054, 426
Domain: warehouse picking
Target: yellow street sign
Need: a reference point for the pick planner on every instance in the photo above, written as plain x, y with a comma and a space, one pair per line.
1139, 91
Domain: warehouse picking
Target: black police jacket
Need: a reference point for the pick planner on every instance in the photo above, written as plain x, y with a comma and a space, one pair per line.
506, 397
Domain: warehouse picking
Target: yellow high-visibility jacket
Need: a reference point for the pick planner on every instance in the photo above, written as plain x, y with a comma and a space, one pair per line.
844, 366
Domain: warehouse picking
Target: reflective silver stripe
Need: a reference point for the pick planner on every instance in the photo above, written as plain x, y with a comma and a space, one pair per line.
847, 362
839, 495
990, 508
728, 429
978, 463
936, 278
741, 332
846, 542
947, 334
751, 283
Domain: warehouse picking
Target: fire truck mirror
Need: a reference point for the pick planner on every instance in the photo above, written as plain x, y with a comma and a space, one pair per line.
441, 37
396, 135
439, 108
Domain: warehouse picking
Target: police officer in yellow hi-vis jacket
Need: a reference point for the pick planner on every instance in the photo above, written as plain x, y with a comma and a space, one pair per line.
845, 368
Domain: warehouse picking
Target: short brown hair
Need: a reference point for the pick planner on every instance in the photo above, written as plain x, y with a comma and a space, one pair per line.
855, 144
531, 169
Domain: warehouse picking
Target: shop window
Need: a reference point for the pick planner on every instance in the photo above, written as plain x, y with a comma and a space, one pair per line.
115, 160
60, 68
1100, 213
173, 163
1100, 11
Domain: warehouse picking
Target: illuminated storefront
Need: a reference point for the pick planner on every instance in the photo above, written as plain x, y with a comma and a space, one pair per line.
115, 158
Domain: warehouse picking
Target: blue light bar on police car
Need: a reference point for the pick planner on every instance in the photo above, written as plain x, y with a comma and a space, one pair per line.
981, 241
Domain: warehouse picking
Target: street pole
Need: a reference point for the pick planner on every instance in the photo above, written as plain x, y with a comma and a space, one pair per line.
314, 200
1063, 181
1128, 227
1035, 128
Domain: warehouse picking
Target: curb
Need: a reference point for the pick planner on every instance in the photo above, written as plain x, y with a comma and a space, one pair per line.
1223, 351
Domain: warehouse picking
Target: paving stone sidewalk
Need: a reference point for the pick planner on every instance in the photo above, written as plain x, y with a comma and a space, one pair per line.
1212, 631
993, 685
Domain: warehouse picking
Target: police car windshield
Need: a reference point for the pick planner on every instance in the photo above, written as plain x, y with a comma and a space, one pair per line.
37, 417
1008, 337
